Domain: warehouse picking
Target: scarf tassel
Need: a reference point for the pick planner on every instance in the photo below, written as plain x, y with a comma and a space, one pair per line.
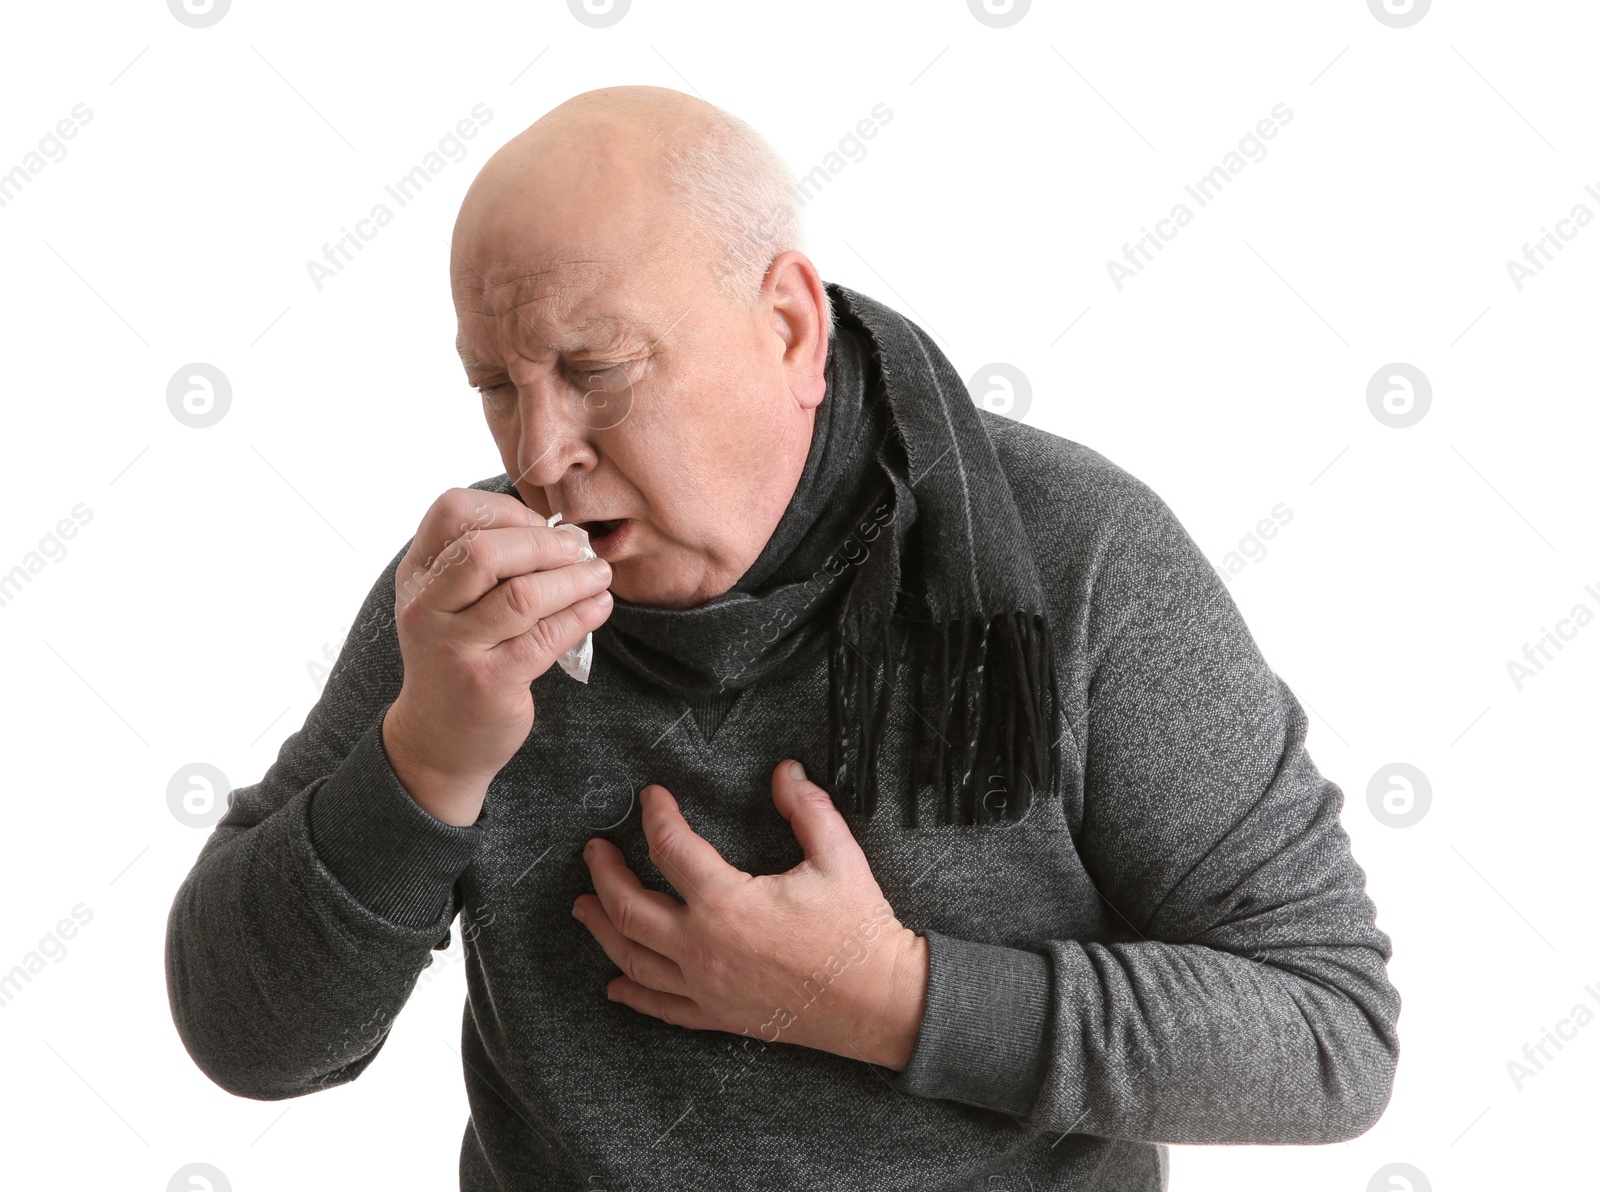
991, 741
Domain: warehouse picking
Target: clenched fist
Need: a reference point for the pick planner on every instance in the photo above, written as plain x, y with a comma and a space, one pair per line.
486, 599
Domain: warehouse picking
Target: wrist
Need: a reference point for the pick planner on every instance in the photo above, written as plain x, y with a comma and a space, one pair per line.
901, 1019
449, 798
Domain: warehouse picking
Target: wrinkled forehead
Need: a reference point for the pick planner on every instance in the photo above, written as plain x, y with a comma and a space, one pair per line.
526, 259
492, 284
573, 242
570, 305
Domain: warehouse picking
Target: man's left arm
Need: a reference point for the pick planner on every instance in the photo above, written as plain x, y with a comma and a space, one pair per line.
1250, 1002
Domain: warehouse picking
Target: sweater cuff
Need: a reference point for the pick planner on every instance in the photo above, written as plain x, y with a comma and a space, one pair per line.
983, 1035
392, 856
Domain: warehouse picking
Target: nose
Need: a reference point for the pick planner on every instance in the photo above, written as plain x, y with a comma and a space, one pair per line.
551, 441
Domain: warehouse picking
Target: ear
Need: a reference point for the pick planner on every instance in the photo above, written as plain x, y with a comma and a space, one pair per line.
793, 291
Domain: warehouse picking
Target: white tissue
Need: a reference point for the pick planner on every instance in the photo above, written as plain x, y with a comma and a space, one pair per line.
576, 661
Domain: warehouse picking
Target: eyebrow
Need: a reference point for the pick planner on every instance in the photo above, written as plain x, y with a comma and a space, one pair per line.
580, 336
576, 338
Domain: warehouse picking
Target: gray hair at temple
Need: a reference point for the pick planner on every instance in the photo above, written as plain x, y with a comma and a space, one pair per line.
740, 197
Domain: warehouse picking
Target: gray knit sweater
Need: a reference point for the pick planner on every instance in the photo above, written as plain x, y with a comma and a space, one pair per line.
1175, 948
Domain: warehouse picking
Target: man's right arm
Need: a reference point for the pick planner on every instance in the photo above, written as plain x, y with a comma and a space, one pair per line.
316, 902
300, 932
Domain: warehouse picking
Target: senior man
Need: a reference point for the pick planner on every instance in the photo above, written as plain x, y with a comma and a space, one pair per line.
1063, 885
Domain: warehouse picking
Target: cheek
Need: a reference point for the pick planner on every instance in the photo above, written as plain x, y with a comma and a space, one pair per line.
501, 419
699, 446
707, 435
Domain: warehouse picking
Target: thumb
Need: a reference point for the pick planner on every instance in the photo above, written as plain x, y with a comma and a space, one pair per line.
818, 826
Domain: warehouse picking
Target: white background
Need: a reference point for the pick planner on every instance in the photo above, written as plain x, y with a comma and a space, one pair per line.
1230, 374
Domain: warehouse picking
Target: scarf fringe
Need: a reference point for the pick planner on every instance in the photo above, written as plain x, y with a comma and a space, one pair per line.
991, 742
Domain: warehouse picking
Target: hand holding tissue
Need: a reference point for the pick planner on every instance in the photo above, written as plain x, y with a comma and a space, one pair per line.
577, 660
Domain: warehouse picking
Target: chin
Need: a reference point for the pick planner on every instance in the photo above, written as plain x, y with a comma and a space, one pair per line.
635, 584
653, 596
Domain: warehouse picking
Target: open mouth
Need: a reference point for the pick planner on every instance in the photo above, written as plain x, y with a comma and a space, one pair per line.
608, 537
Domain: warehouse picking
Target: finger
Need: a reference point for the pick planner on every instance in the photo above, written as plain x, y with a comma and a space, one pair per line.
459, 510
516, 604
670, 1008
537, 649
456, 508
478, 559
817, 823
685, 858
646, 916
640, 964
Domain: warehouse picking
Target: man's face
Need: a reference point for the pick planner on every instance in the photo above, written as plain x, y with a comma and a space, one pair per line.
622, 389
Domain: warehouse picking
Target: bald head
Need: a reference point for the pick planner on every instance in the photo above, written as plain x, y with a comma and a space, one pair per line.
703, 187
648, 337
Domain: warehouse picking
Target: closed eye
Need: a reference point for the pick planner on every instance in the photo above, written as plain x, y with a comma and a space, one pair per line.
587, 378
601, 376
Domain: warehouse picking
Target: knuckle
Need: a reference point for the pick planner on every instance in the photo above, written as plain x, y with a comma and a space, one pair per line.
470, 549
456, 499
449, 507
632, 966
521, 597
460, 511
661, 851
409, 579
575, 581
625, 914
812, 793
727, 974
407, 609
545, 637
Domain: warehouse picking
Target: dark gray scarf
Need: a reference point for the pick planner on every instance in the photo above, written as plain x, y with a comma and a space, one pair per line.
901, 539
